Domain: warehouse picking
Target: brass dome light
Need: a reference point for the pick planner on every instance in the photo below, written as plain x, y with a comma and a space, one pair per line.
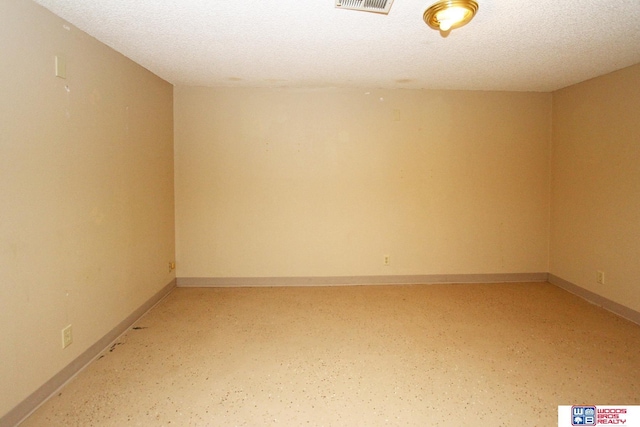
449, 14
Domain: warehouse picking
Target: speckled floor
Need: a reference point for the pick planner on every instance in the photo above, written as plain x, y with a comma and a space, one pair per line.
437, 355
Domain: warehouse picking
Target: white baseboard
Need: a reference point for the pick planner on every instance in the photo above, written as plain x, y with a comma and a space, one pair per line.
219, 282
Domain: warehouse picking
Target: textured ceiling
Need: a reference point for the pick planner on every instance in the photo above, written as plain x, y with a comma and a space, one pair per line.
535, 45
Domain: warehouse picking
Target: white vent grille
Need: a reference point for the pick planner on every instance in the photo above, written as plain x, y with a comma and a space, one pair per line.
377, 6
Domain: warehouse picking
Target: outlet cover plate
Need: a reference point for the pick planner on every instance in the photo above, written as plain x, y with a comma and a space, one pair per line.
67, 337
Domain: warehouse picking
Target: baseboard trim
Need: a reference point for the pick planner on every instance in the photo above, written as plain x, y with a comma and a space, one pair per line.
607, 304
38, 397
229, 282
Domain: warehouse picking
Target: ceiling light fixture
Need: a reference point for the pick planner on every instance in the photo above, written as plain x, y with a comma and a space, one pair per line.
449, 14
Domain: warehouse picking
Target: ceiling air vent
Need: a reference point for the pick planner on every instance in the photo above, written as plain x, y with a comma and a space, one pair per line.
377, 6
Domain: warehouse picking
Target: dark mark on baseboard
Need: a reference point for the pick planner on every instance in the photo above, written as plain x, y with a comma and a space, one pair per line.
139, 327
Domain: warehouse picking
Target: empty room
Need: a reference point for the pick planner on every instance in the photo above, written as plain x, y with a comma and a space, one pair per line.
321, 212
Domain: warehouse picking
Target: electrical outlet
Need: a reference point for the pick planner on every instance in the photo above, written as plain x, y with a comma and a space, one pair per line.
67, 337
386, 260
600, 277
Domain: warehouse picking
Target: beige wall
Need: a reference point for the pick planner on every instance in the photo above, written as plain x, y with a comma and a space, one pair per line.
284, 182
596, 185
86, 173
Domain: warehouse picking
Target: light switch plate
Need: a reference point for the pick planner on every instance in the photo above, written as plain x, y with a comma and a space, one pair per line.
61, 67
